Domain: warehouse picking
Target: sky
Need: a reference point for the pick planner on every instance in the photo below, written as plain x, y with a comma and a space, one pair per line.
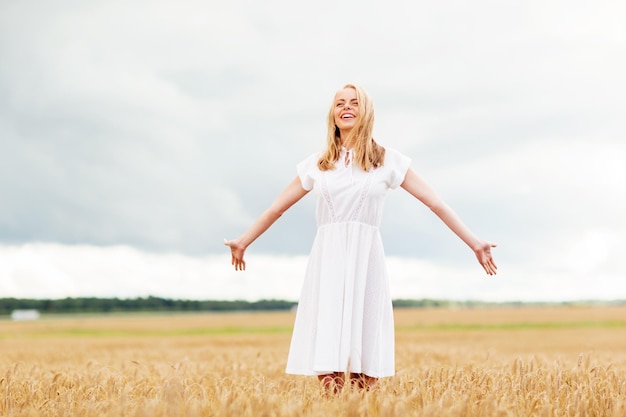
136, 135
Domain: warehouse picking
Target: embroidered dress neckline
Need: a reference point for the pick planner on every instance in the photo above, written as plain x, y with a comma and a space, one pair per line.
347, 156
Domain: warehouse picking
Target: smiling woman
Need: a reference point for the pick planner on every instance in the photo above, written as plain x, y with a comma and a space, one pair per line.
344, 324
351, 118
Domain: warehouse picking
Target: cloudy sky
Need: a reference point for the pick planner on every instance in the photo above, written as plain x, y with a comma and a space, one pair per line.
135, 135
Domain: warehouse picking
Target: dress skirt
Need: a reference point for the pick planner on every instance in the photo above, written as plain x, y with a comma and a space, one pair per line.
344, 320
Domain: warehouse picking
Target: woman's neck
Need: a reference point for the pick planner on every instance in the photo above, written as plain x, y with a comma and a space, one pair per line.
345, 139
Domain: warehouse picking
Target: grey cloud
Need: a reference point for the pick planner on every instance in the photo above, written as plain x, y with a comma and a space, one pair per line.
180, 138
214, 84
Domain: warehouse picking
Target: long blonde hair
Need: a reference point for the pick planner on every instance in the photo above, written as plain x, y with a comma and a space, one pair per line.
367, 153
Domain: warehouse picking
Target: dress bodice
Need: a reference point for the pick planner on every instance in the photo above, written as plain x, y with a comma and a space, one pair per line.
348, 193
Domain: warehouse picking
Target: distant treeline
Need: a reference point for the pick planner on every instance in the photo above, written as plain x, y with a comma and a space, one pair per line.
115, 305
157, 304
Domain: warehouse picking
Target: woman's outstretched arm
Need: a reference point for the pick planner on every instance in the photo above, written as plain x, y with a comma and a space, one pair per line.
287, 198
418, 188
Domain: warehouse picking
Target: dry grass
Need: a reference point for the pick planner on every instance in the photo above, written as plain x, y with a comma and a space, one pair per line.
498, 362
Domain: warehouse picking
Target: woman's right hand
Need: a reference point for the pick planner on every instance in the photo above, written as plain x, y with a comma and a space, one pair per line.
237, 251
485, 258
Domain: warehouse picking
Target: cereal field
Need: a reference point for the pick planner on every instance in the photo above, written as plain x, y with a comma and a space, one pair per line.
480, 362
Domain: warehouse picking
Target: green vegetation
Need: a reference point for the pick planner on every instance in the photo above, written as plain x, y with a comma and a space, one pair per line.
157, 304
605, 324
430, 303
149, 304
92, 332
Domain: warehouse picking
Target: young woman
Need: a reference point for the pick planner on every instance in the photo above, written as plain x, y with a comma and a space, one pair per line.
344, 322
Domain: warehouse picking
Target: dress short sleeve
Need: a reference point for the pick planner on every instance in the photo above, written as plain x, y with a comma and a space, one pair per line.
307, 170
396, 164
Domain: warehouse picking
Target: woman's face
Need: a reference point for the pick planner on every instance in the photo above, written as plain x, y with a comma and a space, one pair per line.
346, 109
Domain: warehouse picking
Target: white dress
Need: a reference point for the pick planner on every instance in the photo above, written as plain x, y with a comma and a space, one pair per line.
344, 320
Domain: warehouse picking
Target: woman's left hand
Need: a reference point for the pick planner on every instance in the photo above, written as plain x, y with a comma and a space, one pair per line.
483, 253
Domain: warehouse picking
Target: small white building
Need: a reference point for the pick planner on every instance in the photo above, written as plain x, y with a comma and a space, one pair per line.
20, 315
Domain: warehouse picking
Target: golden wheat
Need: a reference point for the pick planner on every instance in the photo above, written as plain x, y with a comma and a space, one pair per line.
490, 362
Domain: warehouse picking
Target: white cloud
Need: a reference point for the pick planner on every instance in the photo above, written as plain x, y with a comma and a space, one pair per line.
53, 270
589, 252
58, 271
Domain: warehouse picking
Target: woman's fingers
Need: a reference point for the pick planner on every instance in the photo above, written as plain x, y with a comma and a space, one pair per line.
486, 259
239, 264
236, 260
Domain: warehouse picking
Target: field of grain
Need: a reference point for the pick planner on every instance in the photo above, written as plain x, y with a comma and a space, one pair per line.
481, 362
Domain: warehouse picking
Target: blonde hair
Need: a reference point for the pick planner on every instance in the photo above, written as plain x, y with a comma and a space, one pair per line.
367, 153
